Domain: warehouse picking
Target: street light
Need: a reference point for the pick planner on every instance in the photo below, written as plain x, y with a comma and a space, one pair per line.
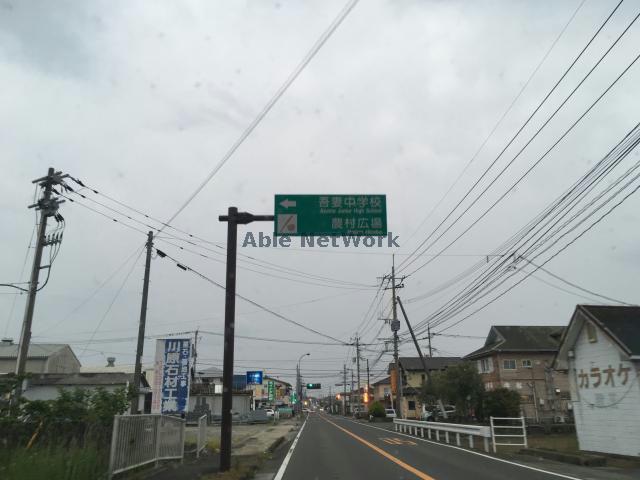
299, 386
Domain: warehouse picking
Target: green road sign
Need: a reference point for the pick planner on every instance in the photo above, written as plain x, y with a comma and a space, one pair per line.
271, 387
330, 215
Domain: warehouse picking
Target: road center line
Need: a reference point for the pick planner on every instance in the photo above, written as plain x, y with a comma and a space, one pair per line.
397, 461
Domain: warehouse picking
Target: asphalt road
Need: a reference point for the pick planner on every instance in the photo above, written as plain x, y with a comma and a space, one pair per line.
333, 448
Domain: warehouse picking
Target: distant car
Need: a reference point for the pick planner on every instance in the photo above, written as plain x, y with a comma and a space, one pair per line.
270, 412
390, 412
434, 414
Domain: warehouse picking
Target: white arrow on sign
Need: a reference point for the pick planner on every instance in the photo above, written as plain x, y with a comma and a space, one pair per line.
288, 203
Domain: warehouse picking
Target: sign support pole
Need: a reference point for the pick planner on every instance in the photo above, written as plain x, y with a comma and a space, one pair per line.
233, 219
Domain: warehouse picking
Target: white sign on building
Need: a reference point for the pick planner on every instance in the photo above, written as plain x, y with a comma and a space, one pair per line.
599, 355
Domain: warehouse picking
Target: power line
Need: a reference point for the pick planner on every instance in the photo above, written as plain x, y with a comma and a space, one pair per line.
535, 164
549, 259
499, 122
267, 108
182, 266
113, 300
404, 264
594, 176
564, 280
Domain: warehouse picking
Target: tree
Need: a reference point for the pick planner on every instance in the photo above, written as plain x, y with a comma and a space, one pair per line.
376, 409
459, 385
502, 402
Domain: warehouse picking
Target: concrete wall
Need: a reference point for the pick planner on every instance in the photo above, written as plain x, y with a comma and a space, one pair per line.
606, 408
50, 392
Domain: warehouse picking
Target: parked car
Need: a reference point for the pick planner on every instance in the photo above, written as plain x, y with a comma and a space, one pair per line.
270, 412
434, 414
390, 412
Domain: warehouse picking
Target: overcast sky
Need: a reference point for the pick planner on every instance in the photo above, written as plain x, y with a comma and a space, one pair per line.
141, 100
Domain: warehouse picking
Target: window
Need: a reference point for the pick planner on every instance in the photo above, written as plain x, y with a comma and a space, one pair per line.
509, 364
519, 385
412, 405
506, 385
488, 386
526, 363
591, 333
484, 365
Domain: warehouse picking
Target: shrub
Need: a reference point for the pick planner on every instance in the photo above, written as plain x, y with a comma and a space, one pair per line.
376, 409
502, 402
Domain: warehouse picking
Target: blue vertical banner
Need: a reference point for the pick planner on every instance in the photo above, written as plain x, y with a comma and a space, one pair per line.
175, 376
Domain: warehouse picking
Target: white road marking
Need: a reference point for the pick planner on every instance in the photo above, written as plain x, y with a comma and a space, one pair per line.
285, 462
469, 451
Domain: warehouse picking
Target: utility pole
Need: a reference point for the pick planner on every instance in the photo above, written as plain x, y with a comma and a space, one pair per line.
141, 327
195, 352
48, 207
415, 342
358, 368
368, 380
351, 393
233, 219
395, 326
344, 390
429, 337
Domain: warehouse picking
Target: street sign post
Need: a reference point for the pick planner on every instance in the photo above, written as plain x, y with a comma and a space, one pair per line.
330, 215
271, 390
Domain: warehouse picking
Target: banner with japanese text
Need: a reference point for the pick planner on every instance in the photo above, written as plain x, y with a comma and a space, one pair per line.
171, 379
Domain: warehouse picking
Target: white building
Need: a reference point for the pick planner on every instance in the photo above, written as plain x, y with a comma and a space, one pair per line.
600, 350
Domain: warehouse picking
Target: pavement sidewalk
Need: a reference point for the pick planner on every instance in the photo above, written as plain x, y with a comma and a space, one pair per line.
248, 442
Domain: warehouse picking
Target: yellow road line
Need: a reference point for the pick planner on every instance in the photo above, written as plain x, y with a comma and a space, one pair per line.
397, 461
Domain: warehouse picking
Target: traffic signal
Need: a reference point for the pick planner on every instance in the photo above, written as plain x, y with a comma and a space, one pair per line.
313, 386
338, 397
366, 397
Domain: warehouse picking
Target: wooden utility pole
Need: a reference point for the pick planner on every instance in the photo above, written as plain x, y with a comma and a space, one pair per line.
233, 219
141, 329
48, 207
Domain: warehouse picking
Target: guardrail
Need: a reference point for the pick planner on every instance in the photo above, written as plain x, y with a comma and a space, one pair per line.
138, 440
201, 441
512, 423
412, 427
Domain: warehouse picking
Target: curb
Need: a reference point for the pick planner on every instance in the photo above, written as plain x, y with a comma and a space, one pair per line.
276, 443
575, 459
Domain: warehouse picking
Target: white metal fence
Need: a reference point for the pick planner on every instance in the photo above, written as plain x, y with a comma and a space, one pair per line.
201, 441
141, 439
437, 430
508, 424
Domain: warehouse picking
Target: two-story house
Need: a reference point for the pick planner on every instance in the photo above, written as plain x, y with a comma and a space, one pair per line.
382, 391
520, 358
413, 378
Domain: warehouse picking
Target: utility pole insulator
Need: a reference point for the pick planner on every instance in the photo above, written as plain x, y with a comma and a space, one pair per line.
48, 206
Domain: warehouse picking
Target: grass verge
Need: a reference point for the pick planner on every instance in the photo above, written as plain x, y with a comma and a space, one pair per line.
53, 463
